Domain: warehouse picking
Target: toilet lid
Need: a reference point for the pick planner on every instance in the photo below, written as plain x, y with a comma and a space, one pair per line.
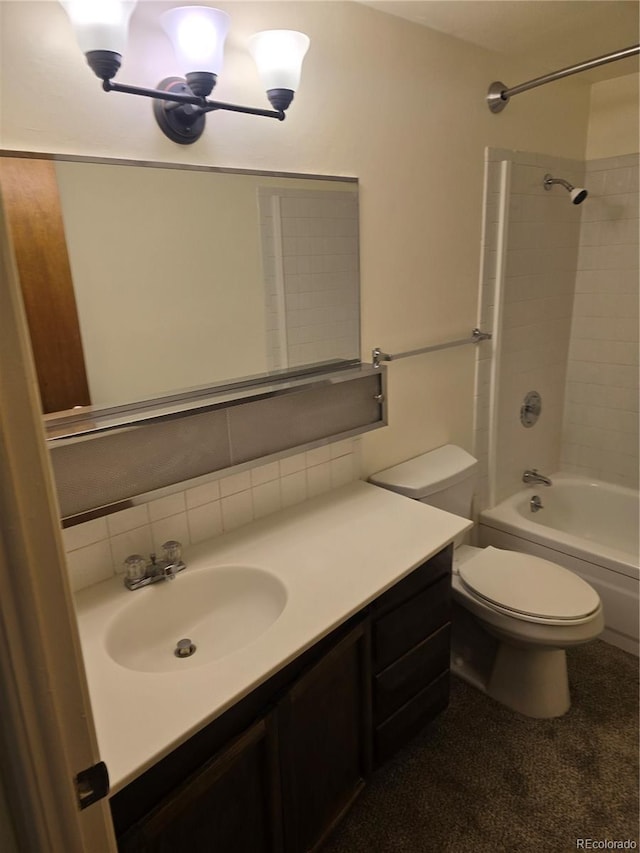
528, 585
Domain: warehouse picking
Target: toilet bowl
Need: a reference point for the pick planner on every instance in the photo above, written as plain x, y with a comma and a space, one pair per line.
534, 609
514, 614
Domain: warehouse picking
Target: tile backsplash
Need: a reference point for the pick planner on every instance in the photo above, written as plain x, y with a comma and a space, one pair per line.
96, 549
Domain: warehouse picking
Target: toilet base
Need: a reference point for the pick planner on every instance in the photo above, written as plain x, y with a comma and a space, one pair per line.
532, 681
529, 679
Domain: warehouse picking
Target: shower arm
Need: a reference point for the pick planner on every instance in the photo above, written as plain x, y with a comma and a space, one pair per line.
499, 94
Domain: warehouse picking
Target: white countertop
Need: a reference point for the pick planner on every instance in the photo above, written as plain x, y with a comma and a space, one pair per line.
334, 554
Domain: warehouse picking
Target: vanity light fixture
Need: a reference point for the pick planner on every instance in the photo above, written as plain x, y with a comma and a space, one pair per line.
198, 34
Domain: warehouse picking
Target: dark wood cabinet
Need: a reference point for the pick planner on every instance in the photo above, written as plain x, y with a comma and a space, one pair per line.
324, 741
232, 803
275, 773
410, 630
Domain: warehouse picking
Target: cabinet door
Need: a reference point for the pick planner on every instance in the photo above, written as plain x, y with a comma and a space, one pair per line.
231, 805
325, 736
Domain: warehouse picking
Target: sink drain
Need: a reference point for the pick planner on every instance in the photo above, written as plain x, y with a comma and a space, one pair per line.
184, 648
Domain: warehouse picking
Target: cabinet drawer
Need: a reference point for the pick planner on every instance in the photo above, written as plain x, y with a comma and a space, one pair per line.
410, 719
426, 574
403, 679
403, 628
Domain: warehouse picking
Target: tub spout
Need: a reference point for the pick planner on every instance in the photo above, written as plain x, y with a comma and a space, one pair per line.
533, 477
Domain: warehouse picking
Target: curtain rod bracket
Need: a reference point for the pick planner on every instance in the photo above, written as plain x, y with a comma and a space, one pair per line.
496, 97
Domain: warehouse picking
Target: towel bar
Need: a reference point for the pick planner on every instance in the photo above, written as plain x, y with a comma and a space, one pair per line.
476, 336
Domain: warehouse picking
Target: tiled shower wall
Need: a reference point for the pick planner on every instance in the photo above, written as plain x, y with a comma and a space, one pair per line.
530, 255
214, 505
559, 289
600, 437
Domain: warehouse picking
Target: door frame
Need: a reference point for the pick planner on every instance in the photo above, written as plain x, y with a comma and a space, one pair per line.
47, 733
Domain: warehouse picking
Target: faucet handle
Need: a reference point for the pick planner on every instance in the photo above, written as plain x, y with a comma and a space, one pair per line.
172, 551
135, 567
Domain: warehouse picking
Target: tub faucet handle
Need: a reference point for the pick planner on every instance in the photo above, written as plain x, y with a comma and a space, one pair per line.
535, 504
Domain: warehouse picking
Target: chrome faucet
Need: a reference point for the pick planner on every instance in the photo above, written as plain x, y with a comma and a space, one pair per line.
532, 476
140, 572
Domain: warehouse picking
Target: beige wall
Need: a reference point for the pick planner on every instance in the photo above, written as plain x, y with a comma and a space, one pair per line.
399, 106
613, 118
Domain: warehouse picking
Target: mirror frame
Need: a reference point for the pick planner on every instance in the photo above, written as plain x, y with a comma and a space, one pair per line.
76, 423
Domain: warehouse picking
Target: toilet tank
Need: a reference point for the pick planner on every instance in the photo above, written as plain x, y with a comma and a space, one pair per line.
444, 478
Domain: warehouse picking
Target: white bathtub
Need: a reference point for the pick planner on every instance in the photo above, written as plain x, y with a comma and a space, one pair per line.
587, 526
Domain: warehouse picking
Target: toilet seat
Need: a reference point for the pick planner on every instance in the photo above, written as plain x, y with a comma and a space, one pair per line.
528, 588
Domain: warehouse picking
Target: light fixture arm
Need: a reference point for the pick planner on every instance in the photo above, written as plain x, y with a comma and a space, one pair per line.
204, 104
180, 112
210, 106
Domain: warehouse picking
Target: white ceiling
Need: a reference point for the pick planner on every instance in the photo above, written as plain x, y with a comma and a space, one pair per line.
551, 34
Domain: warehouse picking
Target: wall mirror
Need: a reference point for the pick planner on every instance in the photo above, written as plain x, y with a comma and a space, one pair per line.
146, 282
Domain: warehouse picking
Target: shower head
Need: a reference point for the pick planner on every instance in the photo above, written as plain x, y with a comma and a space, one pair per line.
578, 194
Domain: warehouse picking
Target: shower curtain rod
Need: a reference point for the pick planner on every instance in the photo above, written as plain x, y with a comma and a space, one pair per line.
499, 94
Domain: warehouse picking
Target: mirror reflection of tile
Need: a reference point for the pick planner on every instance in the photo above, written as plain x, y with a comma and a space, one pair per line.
310, 263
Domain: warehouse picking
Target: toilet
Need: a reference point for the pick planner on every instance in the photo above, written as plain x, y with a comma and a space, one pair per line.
514, 615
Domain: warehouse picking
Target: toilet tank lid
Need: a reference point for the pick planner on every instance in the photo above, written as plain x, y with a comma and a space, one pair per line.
428, 473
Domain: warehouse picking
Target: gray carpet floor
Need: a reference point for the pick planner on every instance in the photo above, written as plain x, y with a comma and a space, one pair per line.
483, 779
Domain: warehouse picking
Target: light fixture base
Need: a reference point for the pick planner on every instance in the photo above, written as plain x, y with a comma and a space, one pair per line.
104, 63
182, 123
280, 99
201, 83
495, 99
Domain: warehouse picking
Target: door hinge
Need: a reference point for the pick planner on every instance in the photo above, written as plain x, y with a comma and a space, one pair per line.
92, 784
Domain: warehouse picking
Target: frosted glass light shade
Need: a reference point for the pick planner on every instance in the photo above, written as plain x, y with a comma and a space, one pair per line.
198, 34
100, 24
278, 54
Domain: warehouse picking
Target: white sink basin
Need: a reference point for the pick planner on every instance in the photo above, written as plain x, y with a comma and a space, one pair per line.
219, 609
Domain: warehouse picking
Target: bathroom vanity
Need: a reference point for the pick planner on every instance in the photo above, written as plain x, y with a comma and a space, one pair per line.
266, 747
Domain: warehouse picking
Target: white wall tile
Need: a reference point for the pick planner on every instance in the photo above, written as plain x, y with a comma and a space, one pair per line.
318, 455
293, 488
166, 506
266, 498
237, 509
265, 473
205, 521
166, 529
85, 534
292, 464
600, 432
341, 448
138, 541
318, 479
89, 565
127, 519
341, 471
203, 494
235, 483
